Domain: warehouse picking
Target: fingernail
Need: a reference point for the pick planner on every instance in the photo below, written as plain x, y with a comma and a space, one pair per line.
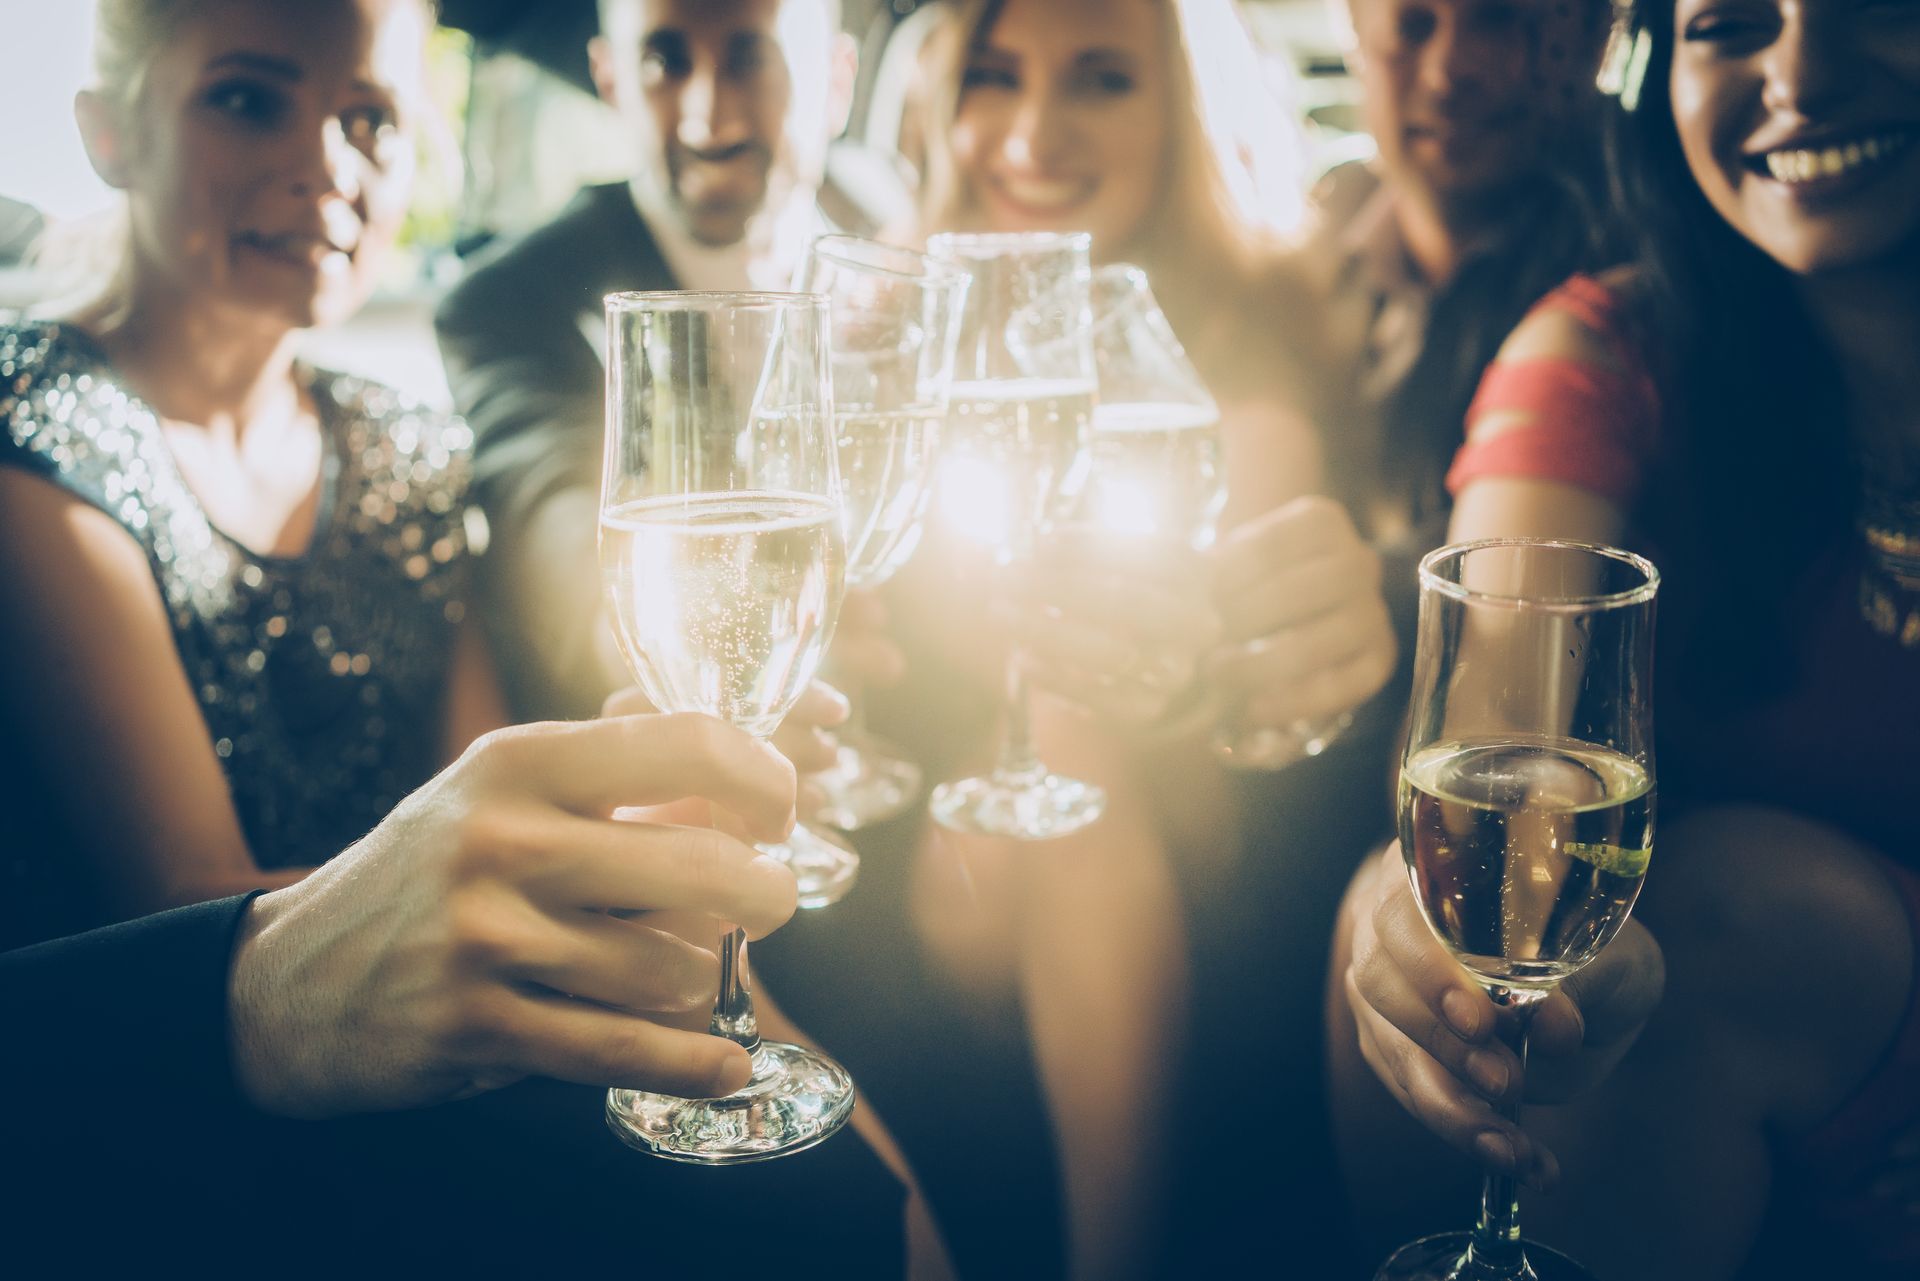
1489, 1072
1495, 1149
1462, 1013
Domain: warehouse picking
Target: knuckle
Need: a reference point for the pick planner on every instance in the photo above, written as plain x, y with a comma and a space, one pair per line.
482, 936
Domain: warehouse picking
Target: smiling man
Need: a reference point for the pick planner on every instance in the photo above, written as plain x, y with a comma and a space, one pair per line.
728, 106
1482, 197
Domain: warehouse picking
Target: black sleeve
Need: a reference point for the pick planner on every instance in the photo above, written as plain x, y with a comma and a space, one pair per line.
144, 999
117, 1089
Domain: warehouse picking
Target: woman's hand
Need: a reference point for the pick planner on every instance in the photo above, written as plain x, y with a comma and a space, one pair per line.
1427, 1029
1117, 625
1305, 632
501, 923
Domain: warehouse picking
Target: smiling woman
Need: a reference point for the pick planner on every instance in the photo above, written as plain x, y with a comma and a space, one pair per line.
235, 583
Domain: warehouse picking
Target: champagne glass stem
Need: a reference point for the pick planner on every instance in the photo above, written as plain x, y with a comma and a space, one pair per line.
733, 1012
1496, 1253
1017, 760
733, 1009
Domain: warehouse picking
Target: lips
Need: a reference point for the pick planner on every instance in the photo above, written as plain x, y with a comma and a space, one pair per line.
1840, 156
305, 247
1042, 197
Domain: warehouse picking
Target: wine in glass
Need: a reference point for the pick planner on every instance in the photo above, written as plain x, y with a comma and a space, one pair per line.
1526, 804
1015, 455
723, 556
896, 317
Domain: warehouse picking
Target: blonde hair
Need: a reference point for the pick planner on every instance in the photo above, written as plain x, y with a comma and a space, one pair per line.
1234, 182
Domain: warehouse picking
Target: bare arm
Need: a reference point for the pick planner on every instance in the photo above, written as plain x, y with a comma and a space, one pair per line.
95, 686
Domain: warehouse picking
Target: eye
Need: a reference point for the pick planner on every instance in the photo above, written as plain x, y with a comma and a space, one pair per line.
1416, 26
365, 126
986, 76
746, 58
1104, 82
1730, 28
665, 58
247, 102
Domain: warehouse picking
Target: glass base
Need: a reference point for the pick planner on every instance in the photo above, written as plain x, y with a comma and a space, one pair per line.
1443, 1257
824, 866
795, 1099
1276, 747
869, 783
1032, 805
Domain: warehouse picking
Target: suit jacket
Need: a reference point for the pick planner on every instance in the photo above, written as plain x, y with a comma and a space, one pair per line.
521, 338
125, 1141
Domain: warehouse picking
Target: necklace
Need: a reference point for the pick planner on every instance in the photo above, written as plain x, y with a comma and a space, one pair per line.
1890, 579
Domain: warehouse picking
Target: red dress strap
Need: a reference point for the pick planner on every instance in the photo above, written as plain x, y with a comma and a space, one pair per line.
1588, 425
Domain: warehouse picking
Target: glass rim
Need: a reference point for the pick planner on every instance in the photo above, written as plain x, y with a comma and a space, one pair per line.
926, 269
713, 300
1017, 241
1639, 594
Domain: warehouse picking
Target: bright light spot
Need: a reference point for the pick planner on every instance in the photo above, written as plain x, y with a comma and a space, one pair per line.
975, 502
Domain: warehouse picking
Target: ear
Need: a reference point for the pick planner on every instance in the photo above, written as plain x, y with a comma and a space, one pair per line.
842, 76
600, 58
103, 135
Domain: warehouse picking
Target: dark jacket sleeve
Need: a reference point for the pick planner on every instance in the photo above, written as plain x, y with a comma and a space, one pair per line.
122, 1119
518, 342
145, 1000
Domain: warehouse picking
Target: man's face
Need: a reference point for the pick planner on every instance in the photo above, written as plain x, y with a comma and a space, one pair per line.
1447, 92
725, 99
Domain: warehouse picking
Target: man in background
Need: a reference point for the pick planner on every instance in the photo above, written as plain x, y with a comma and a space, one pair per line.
729, 106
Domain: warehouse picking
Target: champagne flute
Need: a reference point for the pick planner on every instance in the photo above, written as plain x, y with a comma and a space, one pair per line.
896, 317
1157, 473
724, 562
1156, 456
1526, 804
1014, 458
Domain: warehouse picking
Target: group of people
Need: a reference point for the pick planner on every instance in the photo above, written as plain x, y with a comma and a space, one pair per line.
310, 688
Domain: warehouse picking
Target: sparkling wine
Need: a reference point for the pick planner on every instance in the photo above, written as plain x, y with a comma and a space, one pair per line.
1156, 472
886, 479
1014, 449
724, 602
1527, 854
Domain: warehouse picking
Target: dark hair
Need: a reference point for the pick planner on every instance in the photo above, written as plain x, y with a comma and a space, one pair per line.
1757, 476
1556, 225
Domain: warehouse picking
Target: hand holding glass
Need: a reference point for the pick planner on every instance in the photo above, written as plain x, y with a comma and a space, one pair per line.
722, 551
1526, 803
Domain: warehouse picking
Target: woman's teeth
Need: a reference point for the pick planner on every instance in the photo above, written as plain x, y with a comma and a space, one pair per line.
1807, 164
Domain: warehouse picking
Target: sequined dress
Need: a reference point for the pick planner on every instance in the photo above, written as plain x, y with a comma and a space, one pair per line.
322, 676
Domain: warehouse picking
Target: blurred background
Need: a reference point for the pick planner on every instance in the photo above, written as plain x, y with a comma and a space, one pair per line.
520, 131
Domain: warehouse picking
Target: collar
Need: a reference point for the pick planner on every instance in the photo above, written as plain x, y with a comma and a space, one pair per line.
767, 258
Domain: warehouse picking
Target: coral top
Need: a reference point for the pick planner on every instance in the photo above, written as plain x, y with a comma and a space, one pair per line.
1838, 742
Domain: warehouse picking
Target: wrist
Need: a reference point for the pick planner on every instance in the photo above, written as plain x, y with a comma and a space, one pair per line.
254, 1042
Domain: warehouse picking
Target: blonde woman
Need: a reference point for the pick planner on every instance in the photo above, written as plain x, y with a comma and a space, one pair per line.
1151, 125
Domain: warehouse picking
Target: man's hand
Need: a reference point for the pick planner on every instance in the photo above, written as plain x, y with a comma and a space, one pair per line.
1428, 1030
498, 924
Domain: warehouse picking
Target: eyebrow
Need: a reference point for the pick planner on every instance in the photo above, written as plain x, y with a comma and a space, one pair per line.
265, 64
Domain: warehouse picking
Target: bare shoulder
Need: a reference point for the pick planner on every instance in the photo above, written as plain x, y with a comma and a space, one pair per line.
1555, 330
1788, 936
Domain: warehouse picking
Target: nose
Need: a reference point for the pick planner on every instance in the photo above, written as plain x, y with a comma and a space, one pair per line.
1453, 62
1807, 66
330, 165
712, 113
1037, 136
